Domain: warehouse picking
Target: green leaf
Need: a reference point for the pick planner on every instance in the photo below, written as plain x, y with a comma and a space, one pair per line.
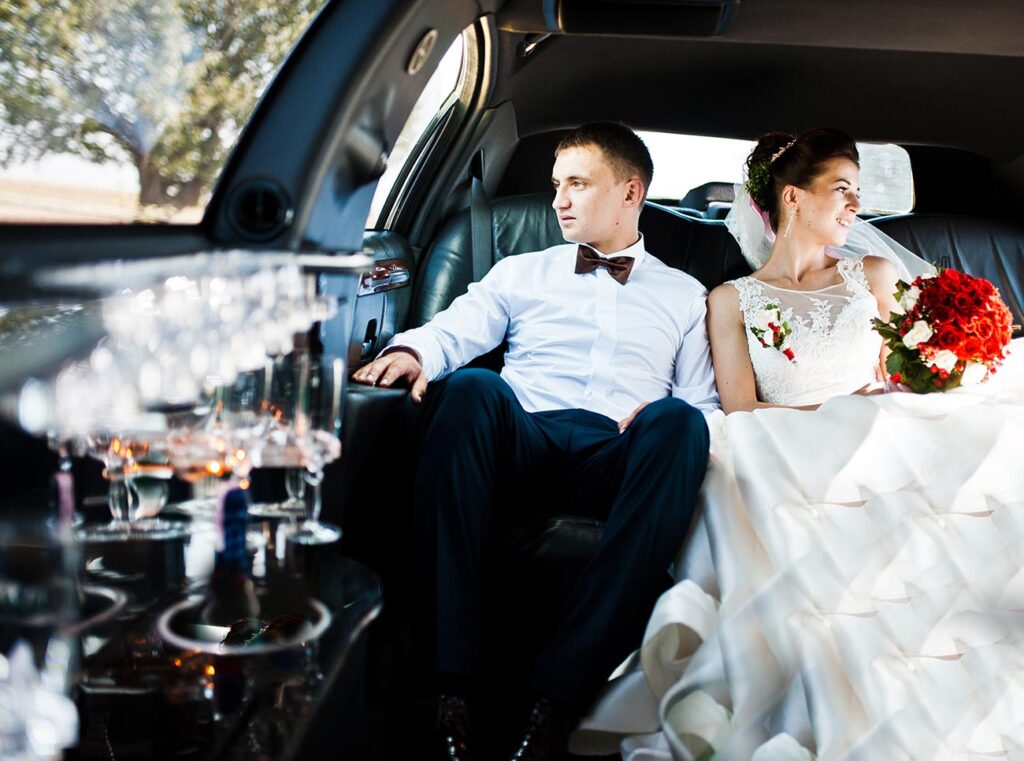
894, 363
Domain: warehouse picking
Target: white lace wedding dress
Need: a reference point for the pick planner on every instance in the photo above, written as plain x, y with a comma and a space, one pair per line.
854, 587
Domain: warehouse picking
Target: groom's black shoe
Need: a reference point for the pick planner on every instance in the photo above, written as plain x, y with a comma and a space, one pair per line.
451, 730
547, 733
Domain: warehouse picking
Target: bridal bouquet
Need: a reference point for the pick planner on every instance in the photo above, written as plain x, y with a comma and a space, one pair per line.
953, 332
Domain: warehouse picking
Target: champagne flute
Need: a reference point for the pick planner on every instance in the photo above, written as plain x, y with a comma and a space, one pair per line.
280, 447
320, 387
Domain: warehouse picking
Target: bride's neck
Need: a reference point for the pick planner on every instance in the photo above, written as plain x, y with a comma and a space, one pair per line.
794, 260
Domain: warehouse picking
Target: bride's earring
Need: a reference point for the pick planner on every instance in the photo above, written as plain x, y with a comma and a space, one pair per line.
789, 224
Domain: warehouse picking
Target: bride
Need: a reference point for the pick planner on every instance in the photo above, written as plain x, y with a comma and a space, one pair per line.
810, 189
855, 586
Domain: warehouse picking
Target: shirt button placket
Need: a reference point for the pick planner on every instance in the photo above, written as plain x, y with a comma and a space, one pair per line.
607, 335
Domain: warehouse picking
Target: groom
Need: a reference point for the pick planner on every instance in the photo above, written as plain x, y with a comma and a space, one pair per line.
599, 402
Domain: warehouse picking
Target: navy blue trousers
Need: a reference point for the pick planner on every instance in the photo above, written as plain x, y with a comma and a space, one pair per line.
478, 442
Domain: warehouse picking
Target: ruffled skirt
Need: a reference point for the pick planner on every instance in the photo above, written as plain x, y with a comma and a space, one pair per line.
854, 589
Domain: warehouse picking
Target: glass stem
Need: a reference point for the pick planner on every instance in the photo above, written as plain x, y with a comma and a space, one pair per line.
118, 500
65, 488
314, 495
134, 498
295, 485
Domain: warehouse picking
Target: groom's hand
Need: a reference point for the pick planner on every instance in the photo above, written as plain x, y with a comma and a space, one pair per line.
624, 424
389, 368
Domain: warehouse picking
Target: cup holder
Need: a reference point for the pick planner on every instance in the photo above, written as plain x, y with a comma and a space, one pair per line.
181, 626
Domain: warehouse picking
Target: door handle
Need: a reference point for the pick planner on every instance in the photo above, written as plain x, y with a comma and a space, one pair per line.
386, 275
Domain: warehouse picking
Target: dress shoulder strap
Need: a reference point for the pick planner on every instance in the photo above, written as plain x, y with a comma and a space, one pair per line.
751, 292
852, 271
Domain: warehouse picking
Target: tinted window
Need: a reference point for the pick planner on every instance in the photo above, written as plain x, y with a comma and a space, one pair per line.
434, 98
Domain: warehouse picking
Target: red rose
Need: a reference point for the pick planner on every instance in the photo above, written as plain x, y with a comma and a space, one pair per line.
963, 302
982, 287
947, 337
972, 346
983, 328
993, 348
941, 314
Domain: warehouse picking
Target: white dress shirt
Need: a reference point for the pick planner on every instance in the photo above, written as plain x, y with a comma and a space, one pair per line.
579, 341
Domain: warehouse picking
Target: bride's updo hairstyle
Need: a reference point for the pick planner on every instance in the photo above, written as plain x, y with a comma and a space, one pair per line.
780, 159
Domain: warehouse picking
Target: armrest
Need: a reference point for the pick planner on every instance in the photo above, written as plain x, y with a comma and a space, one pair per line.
373, 413
378, 449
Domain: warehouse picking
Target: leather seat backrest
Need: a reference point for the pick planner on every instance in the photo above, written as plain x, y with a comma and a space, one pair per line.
521, 224
988, 248
717, 210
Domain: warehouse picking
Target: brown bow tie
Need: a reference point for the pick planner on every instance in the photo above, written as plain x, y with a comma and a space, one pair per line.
588, 260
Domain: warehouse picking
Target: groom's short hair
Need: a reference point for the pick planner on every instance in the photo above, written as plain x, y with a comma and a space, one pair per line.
622, 148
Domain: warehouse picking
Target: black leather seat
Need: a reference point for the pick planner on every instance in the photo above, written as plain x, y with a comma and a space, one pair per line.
717, 210
988, 248
702, 196
688, 212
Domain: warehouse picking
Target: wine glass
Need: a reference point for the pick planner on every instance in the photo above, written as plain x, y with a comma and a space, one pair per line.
219, 438
316, 421
137, 468
280, 446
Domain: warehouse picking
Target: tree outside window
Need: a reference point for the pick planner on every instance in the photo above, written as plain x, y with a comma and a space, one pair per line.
162, 87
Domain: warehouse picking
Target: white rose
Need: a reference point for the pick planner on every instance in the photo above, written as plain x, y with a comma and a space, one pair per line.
975, 372
908, 299
919, 333
764, 317
944, 360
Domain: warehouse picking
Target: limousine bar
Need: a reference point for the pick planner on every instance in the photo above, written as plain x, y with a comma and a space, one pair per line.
153, 622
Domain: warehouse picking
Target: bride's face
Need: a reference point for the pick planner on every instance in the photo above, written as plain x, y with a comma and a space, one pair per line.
829, 206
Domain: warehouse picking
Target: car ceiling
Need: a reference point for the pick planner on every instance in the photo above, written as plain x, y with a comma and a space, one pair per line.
927, 72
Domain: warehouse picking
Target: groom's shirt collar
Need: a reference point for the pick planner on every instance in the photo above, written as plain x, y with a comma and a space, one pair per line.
636, 251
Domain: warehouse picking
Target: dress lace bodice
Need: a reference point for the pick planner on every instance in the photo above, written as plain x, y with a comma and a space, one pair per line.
834, 346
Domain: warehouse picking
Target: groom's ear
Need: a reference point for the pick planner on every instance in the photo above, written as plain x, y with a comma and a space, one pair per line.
634, 192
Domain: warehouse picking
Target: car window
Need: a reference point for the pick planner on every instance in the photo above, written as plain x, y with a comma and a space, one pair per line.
683, 162
126, 110
434, 99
